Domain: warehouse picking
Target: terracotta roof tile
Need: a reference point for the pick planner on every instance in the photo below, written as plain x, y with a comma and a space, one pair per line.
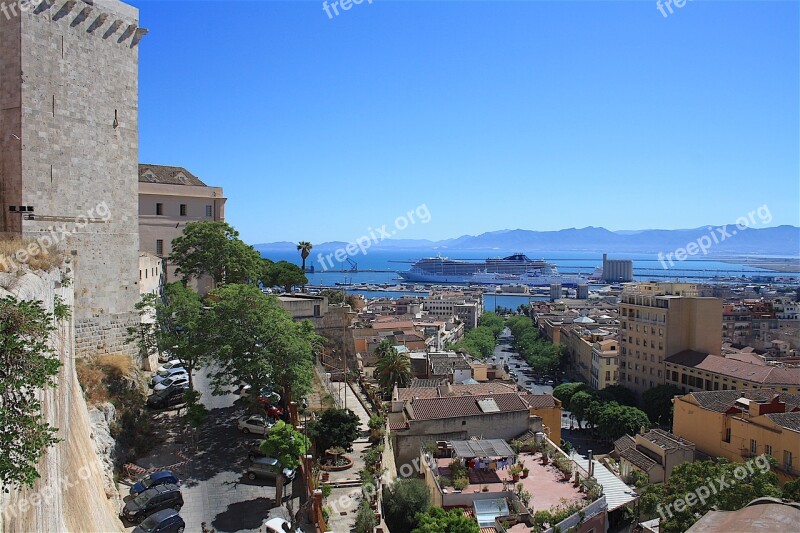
764, 374
168, 175
787, 420
723, 400
459, 406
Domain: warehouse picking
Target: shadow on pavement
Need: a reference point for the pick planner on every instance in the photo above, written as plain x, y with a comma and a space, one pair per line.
243, 515
219, 448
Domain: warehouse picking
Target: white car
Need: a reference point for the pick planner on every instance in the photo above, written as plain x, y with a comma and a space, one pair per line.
161, 376
170, 364
279, 525
178, 380
255, 424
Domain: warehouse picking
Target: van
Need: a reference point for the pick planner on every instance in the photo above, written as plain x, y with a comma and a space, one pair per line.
268, 467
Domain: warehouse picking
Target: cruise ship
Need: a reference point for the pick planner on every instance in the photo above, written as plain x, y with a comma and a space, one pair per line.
516, 268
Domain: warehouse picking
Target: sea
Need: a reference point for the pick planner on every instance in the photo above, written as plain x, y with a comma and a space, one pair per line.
378, 267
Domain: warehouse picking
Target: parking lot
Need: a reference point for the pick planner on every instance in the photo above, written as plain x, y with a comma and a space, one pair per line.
211, 465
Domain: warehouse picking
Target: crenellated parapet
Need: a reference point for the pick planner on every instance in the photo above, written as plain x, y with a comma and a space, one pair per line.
108, 19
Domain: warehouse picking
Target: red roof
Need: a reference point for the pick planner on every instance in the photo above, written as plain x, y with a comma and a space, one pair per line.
459, 406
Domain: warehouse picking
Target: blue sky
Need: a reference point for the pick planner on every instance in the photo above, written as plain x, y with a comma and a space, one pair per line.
525, 114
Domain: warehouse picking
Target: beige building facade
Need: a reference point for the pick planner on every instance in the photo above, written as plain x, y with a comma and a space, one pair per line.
170, 198
658, 320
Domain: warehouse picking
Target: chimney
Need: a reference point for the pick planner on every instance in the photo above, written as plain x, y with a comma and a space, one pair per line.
591, 464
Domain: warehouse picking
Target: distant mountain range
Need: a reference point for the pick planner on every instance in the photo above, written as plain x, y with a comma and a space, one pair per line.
780, 240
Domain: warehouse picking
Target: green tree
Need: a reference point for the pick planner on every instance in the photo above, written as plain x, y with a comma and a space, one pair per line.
728, 493
580, 404
214, 248
365, 518
791, 490
287, 445
392, 367
657, 403
437, 520
618, 393
282, 274
616, 420
172, 325
335, 428
28, 365
253, 341
339, 297
565, 391
478, 342
492, 321
402, 500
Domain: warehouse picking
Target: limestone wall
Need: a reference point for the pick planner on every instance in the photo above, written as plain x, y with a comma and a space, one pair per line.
72, 494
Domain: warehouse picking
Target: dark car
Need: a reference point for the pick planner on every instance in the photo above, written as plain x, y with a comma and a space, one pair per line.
167, 397
163, 477
164, 521
255, 450
152, 500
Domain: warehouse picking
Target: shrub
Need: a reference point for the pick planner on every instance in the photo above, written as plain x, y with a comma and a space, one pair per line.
402, 500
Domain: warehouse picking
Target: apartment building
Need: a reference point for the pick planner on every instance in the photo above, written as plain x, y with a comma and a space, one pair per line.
697, 371
468, 309
658, 320
656, 453
742, 424
170, 198
605, 363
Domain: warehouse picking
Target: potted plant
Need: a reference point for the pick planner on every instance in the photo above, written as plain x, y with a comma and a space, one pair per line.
525, 471
515, 470
545, 457
376, 424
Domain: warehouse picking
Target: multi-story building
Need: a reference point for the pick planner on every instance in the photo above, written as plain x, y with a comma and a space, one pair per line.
68, 152
659, 320
697, 371
655, 453
739, 424
466, 308
786, 309
170, 198
605, 363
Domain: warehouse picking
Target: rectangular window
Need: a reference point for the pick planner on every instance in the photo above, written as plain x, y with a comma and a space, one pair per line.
159, 247
753, 446
768, 449
787, 458
727, 434
209, 211
159, 209
183, 210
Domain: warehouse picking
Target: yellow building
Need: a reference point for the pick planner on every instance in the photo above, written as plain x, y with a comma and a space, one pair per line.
658, 320
548, 407
740, 424
697, 371
605, 363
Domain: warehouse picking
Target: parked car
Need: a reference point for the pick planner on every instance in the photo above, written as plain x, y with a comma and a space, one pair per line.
269, 468
167, 397
162, 477
170, 364
152, 500
255, 450
279, 525
178, 380
256, 424
164, 521
162, 375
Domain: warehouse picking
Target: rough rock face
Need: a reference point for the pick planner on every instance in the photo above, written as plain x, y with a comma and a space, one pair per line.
100, 418
71, 494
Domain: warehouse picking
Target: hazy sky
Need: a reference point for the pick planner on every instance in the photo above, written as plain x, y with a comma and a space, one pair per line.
524, 114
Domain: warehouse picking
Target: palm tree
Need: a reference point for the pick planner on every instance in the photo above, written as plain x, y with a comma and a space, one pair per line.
392, 367
305, 250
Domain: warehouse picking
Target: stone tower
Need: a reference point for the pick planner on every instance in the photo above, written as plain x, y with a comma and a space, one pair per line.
69, 150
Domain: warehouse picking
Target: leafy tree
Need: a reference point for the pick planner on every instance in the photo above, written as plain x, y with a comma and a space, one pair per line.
437, 520
172, 325
287, 445
791, 490
618, 393
282, 274
492, 321
402, 500
617, 420
657, 403
335, 428
392, 367
27, 364
478, 342
580, 403
214, 248
728, 493
565, 391
338, 297
253, 341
